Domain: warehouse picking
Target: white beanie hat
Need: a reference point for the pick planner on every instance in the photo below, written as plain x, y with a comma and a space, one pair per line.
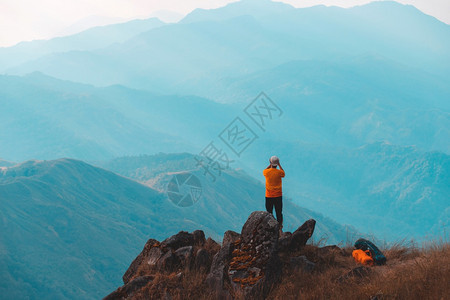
274, 161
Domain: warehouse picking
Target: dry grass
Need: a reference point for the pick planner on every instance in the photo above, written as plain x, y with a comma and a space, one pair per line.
176, 286
410, 273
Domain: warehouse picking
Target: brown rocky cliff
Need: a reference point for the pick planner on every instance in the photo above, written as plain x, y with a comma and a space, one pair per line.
247, 264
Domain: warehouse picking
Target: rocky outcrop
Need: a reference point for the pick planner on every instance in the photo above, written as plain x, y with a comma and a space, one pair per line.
248, 264
293, 242
144, 255
172, 254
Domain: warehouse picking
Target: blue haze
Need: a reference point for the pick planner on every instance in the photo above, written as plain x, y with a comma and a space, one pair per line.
364, 136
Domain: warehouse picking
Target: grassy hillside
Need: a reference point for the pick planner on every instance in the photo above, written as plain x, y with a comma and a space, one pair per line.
66, 226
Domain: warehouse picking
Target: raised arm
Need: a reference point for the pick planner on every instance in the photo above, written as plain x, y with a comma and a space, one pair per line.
280, 166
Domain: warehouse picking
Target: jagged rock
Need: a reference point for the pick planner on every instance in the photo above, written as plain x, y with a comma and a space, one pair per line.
301, 263
178, 240
246, 265
296, 240
130, 288
154, 255
168, 262
212, 243
139, 260
250, 264
260, 227
185, 255
217, 276
202, 260
199, 237
230, 236
174, 253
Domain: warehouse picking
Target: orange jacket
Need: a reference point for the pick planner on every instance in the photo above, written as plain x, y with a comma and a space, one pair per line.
273, 182
363, 257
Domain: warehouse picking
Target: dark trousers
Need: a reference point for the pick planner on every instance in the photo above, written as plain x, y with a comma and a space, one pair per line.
278, 203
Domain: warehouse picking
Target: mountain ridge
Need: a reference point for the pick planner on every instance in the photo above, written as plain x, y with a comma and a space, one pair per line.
248, 50
89, 39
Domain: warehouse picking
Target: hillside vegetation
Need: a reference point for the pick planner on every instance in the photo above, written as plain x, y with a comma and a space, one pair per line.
410, 273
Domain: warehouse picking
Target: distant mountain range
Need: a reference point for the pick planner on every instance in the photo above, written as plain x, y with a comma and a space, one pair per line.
250, 36
69, 229
90, 39
44, 118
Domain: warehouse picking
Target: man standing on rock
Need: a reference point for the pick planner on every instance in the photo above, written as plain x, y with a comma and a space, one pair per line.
274, 195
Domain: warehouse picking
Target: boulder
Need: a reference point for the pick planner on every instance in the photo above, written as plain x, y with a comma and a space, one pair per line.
202, 260
295, 241
169, 262
185, 255
174, 253
131, 271
199, 237
181, 239
250, 264
217, 277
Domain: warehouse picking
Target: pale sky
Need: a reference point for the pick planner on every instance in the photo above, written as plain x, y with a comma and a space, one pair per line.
23, 20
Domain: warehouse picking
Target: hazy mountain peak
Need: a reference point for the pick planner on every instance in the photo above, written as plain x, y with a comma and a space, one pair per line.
5, 163
256, 8
389, 9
